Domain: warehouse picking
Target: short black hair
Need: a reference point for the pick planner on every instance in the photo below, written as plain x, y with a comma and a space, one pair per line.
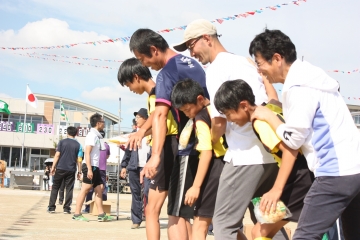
231, 93
129, 68
270, 42
186, 91
143, 38
102, 133
72, 131
134, 122
94, 119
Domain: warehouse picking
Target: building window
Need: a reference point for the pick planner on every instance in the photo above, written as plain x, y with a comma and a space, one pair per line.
16, 157
35, 151
5, 154
45, 152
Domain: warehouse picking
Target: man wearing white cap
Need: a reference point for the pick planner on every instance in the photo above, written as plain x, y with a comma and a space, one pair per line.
249, 170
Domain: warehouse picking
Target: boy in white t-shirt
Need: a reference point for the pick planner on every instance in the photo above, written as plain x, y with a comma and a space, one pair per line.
90, 170
317, 120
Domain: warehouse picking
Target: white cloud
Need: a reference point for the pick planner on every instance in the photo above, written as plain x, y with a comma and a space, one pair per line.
4, 95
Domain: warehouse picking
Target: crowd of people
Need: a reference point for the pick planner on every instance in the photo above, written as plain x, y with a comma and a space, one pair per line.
245, 143
221, 138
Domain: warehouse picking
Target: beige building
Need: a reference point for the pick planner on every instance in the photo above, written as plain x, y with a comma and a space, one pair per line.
44, 128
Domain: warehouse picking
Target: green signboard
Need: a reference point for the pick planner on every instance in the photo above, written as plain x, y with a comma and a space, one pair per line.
29, 127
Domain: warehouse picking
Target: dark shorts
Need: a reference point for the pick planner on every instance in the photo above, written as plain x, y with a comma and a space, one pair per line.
96, 179
182, 179
168, 155
296, 188
205, 204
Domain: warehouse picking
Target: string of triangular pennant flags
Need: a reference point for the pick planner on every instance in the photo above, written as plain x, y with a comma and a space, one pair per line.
347, 72
126, 39
38, 56
57, 60
74, 57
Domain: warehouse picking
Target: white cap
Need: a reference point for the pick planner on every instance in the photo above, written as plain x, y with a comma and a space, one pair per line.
195, 29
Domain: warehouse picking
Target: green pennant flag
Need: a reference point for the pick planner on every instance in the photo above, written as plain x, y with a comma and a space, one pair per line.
4, 107
62, 112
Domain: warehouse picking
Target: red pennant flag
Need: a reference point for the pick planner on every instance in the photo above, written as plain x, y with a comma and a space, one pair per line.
252, 13
220, 21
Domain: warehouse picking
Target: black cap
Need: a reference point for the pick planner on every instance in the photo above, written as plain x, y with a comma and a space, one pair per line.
142, 112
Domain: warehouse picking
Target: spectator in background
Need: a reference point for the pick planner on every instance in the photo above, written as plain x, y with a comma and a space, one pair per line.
46, 178
65, 161
134, 161
134, 125
104, 155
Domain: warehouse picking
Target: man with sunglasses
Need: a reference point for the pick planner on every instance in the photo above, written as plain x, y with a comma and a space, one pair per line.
249, 170
90, 170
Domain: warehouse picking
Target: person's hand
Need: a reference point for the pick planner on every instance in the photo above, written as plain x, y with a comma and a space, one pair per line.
123, 173
261, 113
134, 141
90, 174
150, 168
78, 176
52, 172
269, 200
192, 195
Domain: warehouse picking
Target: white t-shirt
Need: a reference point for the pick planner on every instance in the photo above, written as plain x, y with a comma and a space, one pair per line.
94, 141
143, 152
244, 147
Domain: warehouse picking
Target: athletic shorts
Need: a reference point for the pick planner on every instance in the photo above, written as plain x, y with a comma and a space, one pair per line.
182, 179
96, 179
168, 155
205, 204
296, 188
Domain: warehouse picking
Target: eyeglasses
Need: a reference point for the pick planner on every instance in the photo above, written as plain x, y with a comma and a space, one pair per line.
192, 45
137, 117
101, 121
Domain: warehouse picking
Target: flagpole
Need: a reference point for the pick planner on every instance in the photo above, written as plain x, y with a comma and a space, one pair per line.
23, 128
118, 167
59, 119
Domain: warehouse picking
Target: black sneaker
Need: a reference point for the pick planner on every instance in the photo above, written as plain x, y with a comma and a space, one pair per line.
67, 211
51, 211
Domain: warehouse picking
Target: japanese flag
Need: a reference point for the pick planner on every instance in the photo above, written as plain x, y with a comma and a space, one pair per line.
30, 98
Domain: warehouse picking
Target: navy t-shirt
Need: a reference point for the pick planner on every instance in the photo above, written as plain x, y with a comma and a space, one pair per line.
70, 149
178, 68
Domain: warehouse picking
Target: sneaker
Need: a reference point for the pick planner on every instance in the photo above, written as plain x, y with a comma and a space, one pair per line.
67, 211
135, 226
210, 233
105, 218
80, 218
51, 211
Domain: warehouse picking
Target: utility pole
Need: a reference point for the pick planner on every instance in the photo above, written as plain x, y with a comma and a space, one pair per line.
118, 166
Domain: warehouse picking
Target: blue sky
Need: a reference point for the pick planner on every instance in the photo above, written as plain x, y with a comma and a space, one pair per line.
324, 32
